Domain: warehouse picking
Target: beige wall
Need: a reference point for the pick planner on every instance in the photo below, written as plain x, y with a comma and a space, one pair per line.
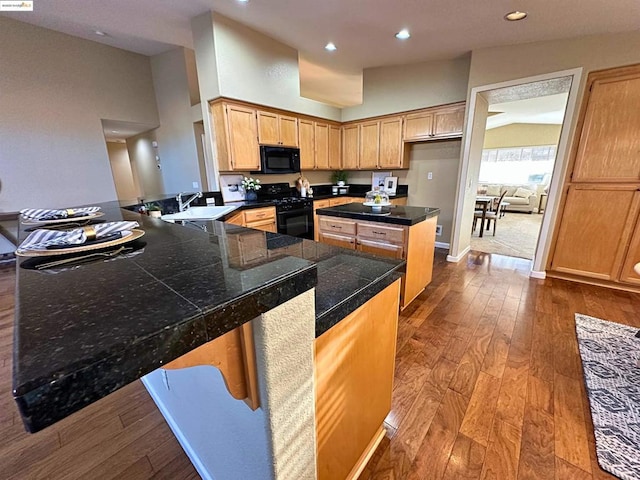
121, 170
408, 87
176, 140
522, 135
55, 89
143, 164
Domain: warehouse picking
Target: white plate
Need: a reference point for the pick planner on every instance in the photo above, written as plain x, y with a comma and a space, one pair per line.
372, 204
33, 221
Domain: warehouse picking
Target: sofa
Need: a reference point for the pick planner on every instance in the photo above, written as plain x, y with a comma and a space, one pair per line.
521, 198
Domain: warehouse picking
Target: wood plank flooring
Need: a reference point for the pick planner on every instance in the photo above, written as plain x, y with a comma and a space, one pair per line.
488, 385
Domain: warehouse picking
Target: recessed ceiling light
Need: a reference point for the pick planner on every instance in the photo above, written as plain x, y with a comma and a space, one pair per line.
100, 33
330, 46
243, 1
114, 131
403, 34
515, 16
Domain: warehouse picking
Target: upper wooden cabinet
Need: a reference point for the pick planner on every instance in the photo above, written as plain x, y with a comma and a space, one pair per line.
369, 145
609, 146
391, 146
315, 147
373, 145
277, 129
236, 139
434, 123
335, 147
350, 146
321, 134
307, 145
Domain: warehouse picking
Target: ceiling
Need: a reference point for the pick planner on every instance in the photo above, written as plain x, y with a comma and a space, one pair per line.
119, 131
362, 30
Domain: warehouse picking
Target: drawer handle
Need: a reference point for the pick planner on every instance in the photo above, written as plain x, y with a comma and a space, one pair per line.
260, 214
379, 233
336, 226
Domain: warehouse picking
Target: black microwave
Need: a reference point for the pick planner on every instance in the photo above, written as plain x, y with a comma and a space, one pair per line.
279, 160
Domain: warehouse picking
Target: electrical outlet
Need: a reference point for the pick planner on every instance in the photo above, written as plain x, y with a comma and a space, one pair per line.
438, 230
430, 176
195, 185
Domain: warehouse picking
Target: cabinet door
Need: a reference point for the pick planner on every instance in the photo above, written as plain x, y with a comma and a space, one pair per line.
338, 240
259, 214
350, 147
609, 148
399, 201
343, 226
307, 145
418, 126
391, 143
268, 128
335, 162
316, 227
242, 134
448, 122
288, 128
380, 248
628, 275
594, 231
321, 131
369, 145
268, 225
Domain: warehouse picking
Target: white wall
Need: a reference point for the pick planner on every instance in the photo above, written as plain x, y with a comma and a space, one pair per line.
55, 90
408, 87
143, 164
121, 170
176, 141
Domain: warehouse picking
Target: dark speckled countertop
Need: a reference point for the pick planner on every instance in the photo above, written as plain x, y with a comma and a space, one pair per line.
82, 333
397, 214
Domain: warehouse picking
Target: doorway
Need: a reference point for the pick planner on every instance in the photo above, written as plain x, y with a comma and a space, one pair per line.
522, 132
473, 144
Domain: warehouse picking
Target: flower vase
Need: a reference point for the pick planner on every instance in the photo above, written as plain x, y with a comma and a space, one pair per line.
251, 196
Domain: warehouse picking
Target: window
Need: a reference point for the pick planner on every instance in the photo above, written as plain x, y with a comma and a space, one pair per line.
518, 165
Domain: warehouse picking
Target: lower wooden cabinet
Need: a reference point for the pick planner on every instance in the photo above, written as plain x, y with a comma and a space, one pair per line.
316, 205
354, 365
259, 218
337, 240
595, 230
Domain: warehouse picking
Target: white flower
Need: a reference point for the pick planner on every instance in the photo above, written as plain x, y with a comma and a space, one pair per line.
251, 184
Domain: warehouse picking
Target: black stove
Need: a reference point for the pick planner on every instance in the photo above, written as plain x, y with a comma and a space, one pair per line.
294, 214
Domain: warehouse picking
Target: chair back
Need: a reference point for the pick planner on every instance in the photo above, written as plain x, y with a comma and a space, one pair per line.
496, 205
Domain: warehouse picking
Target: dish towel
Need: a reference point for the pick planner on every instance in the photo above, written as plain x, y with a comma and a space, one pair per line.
40, 239
42, 214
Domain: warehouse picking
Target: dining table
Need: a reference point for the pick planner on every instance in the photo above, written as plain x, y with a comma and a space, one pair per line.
483, 202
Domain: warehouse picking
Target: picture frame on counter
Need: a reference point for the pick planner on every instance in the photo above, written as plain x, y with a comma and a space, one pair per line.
378, 180
231, 188
390, 185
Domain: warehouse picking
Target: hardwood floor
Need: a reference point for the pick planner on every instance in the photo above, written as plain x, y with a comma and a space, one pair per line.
488, 385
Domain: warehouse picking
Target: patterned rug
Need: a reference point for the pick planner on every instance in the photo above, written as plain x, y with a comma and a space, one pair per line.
610, 353
516, 236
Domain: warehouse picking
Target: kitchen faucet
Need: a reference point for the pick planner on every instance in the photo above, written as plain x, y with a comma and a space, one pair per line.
182, 206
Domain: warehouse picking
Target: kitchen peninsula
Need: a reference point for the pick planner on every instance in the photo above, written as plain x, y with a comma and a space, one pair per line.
82, 332
394, 231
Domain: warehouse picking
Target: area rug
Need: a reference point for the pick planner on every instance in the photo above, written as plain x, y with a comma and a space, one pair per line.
516, 236
610, 353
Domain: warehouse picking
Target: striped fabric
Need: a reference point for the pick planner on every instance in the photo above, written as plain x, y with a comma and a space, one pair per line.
40, 239
46, 214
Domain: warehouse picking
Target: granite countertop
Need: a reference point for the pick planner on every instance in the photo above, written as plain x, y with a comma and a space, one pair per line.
83, 332
396, 214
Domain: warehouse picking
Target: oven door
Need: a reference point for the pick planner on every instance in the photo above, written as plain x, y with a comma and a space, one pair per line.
297, 223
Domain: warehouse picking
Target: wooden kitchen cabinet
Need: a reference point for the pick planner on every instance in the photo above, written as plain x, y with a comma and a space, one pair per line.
258, 218
595, 229
434, 123
316, 227
609, 148
380, 248
335, 148
398, 201
236, 140
337, 240
350, 147
354, 365
307, 145
369, 145
391, 149
321, 135
277, 129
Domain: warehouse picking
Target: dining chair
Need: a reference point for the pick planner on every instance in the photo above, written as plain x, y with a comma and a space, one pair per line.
492, 214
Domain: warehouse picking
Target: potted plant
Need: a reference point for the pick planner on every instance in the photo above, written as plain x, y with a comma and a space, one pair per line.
153, 210
339, 177
251, 188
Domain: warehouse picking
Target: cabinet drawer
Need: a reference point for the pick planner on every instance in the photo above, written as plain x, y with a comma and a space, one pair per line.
258, 214
332, 224
267, 225
321, 204
343, 241
380, 248
382, 232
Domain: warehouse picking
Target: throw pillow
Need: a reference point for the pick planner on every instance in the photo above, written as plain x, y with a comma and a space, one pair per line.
523, 193
493, 190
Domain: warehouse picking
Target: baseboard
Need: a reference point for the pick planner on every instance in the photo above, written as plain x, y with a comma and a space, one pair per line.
182, 440
538, 274
460, 256
442, 245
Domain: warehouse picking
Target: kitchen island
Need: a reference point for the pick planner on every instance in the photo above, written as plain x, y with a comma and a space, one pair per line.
84, 331
394, 231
